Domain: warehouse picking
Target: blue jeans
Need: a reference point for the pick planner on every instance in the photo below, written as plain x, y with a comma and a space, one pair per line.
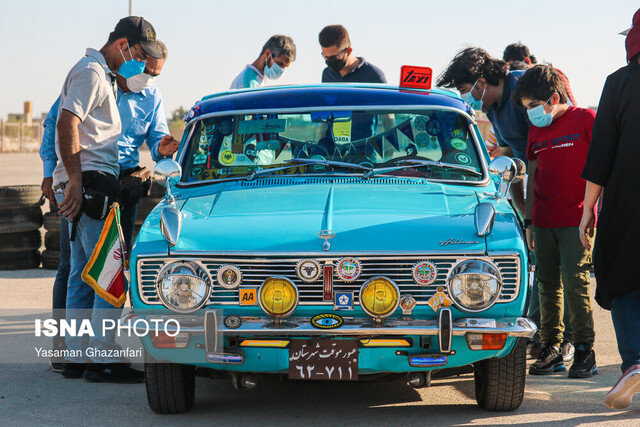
625, 314
62, 277
82, 302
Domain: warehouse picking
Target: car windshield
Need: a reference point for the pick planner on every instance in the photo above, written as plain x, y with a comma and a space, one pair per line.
246, 146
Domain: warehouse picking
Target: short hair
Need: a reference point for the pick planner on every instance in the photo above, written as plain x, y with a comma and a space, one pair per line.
469, 65
539, 83
518, 65
334, 35
517, 52
280, 45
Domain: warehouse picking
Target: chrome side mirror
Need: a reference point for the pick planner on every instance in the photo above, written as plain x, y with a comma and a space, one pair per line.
508, 171
171, 224
168, 172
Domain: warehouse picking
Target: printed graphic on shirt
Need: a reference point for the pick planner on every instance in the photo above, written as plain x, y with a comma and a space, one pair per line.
559, 142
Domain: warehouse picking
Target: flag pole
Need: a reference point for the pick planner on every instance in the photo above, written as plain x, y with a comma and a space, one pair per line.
123, 245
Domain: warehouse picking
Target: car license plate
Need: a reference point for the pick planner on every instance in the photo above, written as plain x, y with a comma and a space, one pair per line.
335, 360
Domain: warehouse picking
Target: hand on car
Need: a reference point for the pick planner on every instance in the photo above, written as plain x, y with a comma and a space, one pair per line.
168, 145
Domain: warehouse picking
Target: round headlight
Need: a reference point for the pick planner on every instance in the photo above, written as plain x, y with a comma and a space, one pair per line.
183, 286
474, 285
278, 296
379, 297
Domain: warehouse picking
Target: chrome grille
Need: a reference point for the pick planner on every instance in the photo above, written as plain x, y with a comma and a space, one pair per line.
256, 270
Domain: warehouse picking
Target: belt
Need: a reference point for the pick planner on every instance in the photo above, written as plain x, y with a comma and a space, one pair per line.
59, 186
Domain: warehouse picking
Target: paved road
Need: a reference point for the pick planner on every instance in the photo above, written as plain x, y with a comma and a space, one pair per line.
30, 394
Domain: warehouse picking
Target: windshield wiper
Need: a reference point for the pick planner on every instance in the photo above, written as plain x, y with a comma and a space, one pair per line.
407, 163
295, 162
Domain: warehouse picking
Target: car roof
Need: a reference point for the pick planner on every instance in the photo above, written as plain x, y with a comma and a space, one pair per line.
324, 96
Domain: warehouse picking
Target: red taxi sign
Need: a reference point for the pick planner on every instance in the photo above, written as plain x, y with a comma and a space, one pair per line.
415, 77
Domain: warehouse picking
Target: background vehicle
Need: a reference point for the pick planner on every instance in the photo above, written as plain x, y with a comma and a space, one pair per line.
333, 232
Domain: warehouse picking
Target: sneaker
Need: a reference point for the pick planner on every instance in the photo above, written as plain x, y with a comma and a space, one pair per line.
549, 361
533, 349
73, 370
113, 373
621, 394
568, 350
584, 362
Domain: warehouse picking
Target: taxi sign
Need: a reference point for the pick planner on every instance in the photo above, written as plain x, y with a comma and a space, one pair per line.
415, 77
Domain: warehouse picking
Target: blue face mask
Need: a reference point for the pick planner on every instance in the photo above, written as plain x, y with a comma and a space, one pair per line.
469, 99
131, 67
538, 117
274, 72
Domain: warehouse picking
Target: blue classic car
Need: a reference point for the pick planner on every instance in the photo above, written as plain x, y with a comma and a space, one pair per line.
333, 232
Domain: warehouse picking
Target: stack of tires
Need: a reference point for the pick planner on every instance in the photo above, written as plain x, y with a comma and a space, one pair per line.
51, 253
146, 205
20, 222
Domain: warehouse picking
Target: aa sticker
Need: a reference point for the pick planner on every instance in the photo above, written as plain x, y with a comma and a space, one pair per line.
342, 132
458, 144
248, 296
227, 157
463, 159
439, 299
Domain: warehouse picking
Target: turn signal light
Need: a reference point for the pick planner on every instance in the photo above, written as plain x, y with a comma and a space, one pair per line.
477, 341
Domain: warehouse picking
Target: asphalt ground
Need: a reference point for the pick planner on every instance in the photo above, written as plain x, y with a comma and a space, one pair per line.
30, 394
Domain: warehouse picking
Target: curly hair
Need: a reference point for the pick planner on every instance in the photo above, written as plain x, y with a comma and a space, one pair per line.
280, 45
539, 83
469, 65
517, 52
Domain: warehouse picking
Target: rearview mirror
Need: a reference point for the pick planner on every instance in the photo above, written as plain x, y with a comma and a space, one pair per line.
507, 170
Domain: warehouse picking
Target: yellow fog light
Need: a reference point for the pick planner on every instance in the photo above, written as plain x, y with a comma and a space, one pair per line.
379, 297
278, 296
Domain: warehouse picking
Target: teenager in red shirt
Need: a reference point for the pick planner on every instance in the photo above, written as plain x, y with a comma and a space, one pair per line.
557, 148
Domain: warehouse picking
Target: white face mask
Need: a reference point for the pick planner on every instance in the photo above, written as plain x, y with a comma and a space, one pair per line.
140, 82
274, 72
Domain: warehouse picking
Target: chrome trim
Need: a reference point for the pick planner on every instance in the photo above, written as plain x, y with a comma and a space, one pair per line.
445, 329
148, 266
171, 224
454, 272
485, 217
296, 326
160, 277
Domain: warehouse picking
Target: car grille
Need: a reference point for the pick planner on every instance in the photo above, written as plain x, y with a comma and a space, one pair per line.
256, 270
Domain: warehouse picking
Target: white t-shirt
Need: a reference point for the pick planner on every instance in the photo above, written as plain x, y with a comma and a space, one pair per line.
89, 92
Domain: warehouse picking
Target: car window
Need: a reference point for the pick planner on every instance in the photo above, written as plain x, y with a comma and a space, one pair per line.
237, 145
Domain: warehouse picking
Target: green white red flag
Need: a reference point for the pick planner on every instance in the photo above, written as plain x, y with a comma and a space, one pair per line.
105, 270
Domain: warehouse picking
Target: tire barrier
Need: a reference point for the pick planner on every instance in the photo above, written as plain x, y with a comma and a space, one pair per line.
20, 222
51, 239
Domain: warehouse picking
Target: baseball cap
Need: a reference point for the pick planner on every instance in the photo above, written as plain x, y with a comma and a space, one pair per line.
140, 31
636, 21
632, 40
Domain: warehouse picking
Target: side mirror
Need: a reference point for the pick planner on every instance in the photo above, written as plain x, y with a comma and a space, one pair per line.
508, 171
168, 172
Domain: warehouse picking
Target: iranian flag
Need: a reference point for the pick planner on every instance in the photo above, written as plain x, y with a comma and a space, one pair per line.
105, 270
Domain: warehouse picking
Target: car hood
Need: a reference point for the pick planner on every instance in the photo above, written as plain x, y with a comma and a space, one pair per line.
364, 217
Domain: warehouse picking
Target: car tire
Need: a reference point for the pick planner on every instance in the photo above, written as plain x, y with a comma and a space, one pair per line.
499, 383
52, 240
51, 221
27, 241
13, 196
171, 387
20, 260
50, 259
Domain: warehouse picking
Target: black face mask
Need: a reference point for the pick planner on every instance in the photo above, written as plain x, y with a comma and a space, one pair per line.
336, 64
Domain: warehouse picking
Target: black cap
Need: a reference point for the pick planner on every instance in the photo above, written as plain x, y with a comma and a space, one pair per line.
140, 31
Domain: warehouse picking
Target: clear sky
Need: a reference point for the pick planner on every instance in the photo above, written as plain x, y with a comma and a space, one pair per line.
210, 42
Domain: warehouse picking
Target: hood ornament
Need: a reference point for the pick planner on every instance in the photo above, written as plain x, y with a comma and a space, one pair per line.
326, 235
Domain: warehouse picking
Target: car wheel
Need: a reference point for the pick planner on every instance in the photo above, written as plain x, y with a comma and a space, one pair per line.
500, 382
170, 386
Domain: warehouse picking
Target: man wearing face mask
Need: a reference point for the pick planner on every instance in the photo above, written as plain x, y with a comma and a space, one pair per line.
277, 54
342, 65
86, 140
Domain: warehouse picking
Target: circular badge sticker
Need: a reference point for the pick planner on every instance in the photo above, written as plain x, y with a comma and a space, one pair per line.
227, 157
326, 321
463, 159
232, 322
348, 269
425, 273
458, 144
225, 127
420, 122
456, 133
229, 277
308, 270
433, 127
422, 139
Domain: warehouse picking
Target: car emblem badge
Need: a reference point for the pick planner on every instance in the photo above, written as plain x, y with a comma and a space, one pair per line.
439, 299
232, 322
326, 235
343, 301
425, 273
407, 303
229, 277
348, 269
308, 270
326, 321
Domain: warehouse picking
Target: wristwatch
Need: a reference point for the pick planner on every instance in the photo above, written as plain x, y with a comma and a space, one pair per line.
526, 223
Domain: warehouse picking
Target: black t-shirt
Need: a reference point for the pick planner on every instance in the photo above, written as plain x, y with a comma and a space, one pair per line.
363, 73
